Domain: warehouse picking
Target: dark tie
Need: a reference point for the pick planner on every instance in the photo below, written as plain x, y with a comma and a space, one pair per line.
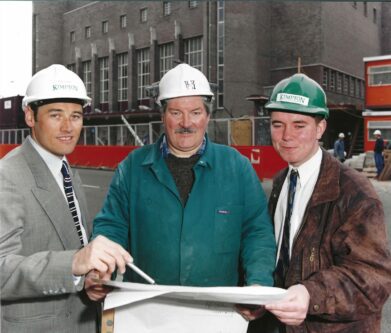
283, 260
68, 188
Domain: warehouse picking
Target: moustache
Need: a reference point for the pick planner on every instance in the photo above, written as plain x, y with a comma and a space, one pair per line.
185, 131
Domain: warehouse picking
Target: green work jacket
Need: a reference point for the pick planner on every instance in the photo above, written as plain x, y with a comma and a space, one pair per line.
223, 233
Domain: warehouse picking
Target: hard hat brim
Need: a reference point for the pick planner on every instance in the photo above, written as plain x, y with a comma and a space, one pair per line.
296, 108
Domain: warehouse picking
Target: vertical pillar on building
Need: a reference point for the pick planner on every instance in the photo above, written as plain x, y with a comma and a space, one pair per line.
154, 60
154, 63
178, 42
94, 77
78, 63
132, 73
113, 78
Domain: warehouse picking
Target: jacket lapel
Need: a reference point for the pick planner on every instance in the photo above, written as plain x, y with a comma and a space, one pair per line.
51, 199
159, 168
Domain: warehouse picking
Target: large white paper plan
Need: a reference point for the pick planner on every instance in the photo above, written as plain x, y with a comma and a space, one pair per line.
134, 292
143, 308
163, 315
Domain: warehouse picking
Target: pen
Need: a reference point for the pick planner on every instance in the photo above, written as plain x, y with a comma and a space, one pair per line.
141, 273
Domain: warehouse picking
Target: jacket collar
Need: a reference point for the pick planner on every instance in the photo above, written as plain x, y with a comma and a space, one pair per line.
155, 155
326, 187
50, 198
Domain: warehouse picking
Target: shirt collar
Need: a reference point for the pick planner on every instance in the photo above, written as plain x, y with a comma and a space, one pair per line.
166, 150
53, 162
309, 168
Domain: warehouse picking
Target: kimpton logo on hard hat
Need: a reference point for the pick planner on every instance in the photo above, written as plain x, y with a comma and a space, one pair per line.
290, 98
65, 87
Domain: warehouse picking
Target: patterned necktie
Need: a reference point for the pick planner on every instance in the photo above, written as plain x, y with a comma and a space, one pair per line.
68, 188
283, 260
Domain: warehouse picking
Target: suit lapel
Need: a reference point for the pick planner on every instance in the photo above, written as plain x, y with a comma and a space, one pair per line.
51, 199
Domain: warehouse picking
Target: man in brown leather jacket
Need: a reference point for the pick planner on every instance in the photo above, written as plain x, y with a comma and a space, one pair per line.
333, 252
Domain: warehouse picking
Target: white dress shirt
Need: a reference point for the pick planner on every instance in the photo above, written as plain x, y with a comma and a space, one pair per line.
306, 180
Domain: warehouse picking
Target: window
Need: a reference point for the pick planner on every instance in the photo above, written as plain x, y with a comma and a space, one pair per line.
122, 77
193, 52
166, 8
325, 79
72, 36
365, 8
143, 72
332, 80
166, 54
104, 80
143, 15
122, 21
339, 82
357, 88
87, 32
193, 4
87, 76
345, 84
379, 75
105, 27
374, 15
351, 86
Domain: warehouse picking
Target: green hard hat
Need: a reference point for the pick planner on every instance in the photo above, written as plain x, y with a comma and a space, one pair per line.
299, 94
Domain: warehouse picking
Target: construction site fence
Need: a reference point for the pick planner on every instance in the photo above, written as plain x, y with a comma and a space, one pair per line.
249, 131
104, 146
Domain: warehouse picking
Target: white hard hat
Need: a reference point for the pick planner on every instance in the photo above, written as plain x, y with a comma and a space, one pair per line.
183, 80
341, 135
377, 132
55, 82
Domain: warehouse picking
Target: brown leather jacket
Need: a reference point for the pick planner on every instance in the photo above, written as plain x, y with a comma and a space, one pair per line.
340, 253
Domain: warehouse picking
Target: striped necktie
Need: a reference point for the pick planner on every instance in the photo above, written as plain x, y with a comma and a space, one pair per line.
68, 188
283, 260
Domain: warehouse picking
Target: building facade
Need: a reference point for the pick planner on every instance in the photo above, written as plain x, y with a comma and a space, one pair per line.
120, 48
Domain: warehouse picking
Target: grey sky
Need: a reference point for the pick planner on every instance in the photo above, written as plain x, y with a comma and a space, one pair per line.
15, 47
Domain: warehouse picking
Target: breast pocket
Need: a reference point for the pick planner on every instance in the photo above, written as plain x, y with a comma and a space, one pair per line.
228, 228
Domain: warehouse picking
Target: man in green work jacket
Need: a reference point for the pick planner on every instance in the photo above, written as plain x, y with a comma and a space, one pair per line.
190, 212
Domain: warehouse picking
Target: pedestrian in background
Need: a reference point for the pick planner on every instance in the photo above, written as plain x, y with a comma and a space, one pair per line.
190, 211
378, 152
329, 224
348, 144
44, 252
339, 148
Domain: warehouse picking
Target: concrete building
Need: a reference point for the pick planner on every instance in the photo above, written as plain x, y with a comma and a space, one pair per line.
119, 48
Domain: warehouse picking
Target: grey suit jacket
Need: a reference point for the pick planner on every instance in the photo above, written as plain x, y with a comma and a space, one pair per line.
37, 241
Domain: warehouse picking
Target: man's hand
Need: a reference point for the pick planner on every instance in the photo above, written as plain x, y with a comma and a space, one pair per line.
102, 255
292, 310
95, 290
250, 312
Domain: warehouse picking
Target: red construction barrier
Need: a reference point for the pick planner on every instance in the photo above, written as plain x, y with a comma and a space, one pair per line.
5, 148
99, 156
265, 160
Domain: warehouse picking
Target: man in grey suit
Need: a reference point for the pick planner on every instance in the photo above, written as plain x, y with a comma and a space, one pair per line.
44, 249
